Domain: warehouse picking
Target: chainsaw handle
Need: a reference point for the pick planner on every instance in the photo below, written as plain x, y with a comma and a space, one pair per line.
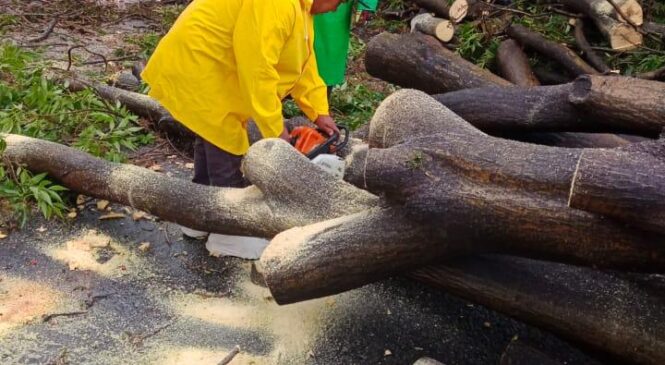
330, 142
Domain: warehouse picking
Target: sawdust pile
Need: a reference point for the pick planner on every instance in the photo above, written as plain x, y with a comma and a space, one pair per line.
22, 301
95, 252
293, 328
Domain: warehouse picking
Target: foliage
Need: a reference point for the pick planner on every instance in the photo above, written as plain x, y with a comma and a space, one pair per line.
354, 105
7, 20
22, 189
33, 106
475, 47
357, 47
146, 42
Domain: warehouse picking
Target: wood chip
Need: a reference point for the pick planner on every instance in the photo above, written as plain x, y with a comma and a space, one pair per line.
387, 353
111, 216
487, 324
102, 204
155, 167
144, 247
3, 235
189, 165
138, 215
80, 199
72, 215
41, 229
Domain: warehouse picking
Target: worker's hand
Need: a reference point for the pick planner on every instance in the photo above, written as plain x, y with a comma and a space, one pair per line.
327, 124
285, 135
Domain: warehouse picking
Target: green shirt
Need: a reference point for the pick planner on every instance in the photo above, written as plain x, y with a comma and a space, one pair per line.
332, 33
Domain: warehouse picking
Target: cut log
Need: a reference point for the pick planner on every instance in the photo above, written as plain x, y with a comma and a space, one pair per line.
600, 104
622, 101
421, 62
616, 184
441, 9
605, 311
514, 64
622, 36
518, 353
585, 49
557, 52
458, 11
441, 29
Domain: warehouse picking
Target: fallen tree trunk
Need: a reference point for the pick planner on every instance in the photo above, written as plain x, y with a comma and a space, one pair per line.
449, 176
557, 52
514, 64
623, 101
421, 62
256, 211
603, 310
615, 184
571, 140
589, 104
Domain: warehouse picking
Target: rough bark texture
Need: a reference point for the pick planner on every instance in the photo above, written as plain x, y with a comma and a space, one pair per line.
655, 28
557, 52
616, 183
620, 315
585, 49
421, 62
514, 64
261, 210
622, 101
571, 140
518, 109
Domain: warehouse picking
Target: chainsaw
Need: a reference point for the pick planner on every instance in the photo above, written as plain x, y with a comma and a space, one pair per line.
320, 148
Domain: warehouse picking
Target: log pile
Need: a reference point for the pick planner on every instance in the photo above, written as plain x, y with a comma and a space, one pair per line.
505, 190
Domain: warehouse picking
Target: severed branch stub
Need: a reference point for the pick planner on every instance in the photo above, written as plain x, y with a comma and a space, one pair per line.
425, 23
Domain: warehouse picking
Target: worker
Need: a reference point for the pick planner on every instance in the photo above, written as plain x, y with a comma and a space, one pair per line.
332, 35
224, 62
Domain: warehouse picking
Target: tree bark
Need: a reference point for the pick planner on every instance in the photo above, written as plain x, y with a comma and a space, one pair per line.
557, 52
570, 140
616, 184
585, 48
258, 210
421, 62
624, 102
615, 314
514, 64
655, 28
441, 29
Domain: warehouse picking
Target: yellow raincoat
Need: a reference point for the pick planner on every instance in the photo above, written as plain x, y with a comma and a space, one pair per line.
225, 61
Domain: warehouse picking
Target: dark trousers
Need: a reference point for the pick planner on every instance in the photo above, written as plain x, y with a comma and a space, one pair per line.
216, 167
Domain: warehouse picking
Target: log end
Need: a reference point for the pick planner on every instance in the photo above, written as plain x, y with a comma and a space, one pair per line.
458, 11
445, 31
581, 89
624, 37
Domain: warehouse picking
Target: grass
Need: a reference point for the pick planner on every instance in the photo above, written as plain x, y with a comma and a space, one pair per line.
34, 106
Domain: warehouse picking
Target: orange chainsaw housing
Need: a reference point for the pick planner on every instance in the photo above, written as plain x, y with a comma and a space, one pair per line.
306, 139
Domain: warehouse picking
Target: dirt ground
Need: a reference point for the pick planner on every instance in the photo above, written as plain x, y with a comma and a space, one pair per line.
132, 290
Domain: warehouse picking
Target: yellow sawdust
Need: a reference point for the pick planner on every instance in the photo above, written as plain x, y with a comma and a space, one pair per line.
81, 253
202, 356
22, 301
